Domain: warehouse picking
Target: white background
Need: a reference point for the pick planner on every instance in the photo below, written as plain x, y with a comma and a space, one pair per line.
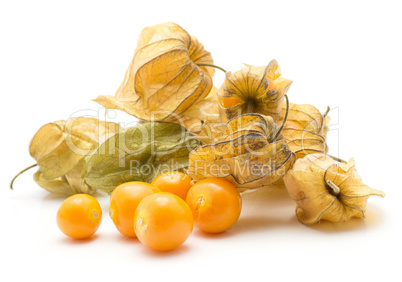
55, 57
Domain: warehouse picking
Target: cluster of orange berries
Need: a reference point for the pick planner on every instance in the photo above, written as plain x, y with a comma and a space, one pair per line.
161, 214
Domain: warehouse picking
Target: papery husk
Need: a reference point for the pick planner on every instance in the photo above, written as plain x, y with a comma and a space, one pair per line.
245, 154
138, 153
57, 185
309, 184
310, 137
212, 126
211, 131
250, 85
163, 81
203, 112
59, 149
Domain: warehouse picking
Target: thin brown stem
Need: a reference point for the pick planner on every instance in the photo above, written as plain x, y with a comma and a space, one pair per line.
21, 172
284, 119
210, 65
326, 112
250, 108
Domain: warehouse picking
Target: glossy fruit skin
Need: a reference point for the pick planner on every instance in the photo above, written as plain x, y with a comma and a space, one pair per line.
163, 221
123, 203
229, 102
79, 216
271, 84
215, 203
174, 182
292, 125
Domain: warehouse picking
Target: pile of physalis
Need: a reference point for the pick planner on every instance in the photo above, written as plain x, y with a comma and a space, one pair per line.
195, 149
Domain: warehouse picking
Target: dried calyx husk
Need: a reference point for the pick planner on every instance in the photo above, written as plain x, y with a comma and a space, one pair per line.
200, 113
251, 153
211, 131
253, 90
325, 189
138, 153
59, 149
168, 79
304, 130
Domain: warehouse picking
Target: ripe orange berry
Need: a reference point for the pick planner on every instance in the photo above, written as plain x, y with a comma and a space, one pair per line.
229, 102
271, 84
174, 182
123, 203
163, 221
215, 203
79, 216
292, 124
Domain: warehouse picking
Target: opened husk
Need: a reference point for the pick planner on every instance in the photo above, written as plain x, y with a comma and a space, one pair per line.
249, 90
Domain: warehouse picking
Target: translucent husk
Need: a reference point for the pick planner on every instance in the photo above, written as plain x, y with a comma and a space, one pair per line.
325, 189
251, 87
59, 149
304, 129
168, 79
246, 154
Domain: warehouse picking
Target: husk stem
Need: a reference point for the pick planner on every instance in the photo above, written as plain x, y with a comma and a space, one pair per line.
21, 172
210, 65
250, 108
326, 112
